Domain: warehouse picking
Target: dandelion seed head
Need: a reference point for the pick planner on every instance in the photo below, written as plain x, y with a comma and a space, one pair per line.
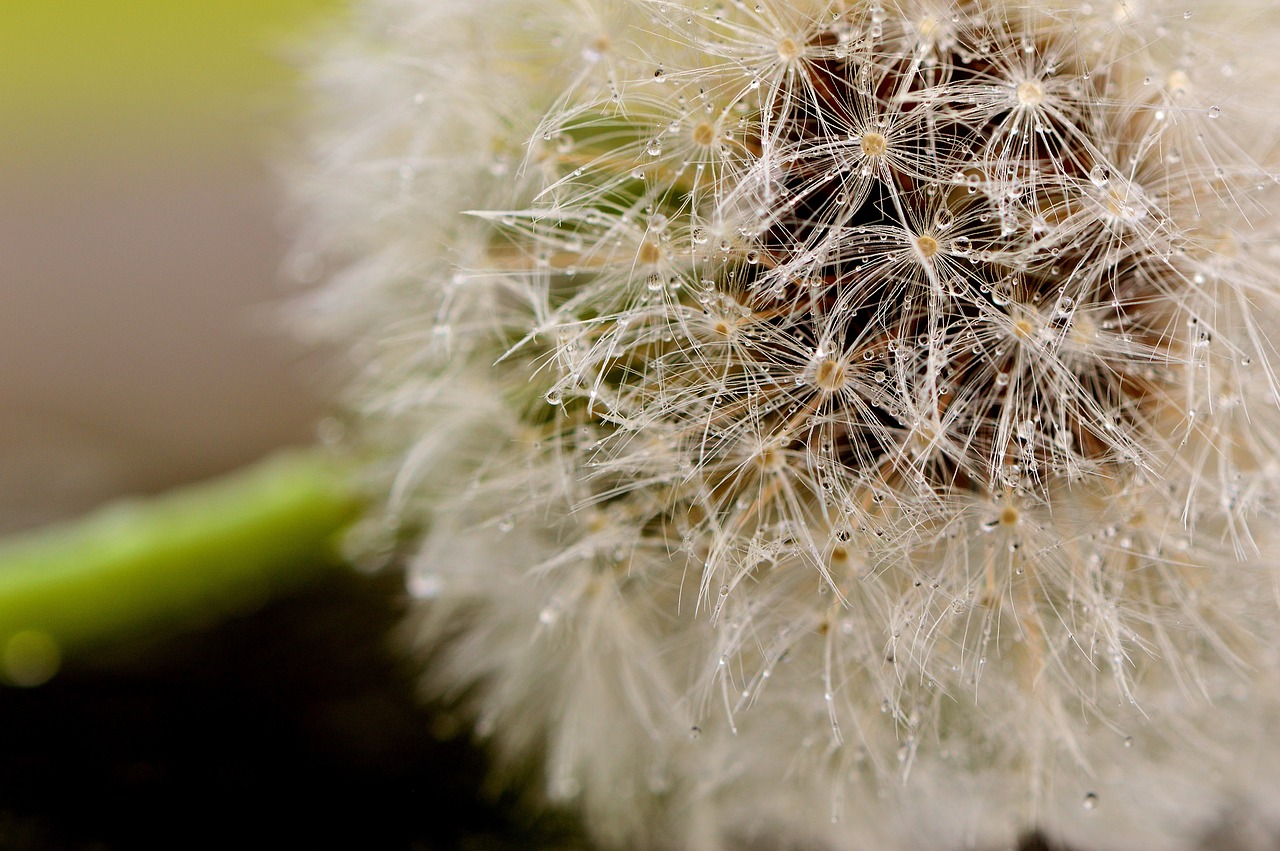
884, 391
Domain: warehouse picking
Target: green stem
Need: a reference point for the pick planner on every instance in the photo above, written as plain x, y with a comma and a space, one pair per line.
195, 553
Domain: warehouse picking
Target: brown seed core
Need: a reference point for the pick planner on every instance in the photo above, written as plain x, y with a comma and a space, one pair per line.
1009, 516
831, 375
649, 253
704, 134
874, 144
770, 460
927, 246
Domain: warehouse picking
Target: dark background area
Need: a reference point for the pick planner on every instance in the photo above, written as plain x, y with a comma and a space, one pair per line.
294, 727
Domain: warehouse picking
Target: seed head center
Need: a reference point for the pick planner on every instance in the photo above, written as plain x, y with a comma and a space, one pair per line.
1031, 93
874, 144
927, 246
704, 134
1009, 516
1125, 205
650, 253
770, 459
788, 50
831, 375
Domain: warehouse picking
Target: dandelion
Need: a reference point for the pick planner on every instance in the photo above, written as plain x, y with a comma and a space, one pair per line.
823, 424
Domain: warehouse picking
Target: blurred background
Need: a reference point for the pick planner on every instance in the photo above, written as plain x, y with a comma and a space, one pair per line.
141, 249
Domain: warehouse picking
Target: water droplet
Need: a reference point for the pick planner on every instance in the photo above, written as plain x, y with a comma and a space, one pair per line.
424, 586
1090, 801
551, 612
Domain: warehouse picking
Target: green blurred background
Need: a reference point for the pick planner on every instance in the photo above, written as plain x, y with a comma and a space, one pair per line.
95, 79
142, 245
141, 253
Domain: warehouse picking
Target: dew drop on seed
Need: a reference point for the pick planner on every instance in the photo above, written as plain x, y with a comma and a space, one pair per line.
567, 789
550, 613
1090, 801
423, 586
1215, 111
